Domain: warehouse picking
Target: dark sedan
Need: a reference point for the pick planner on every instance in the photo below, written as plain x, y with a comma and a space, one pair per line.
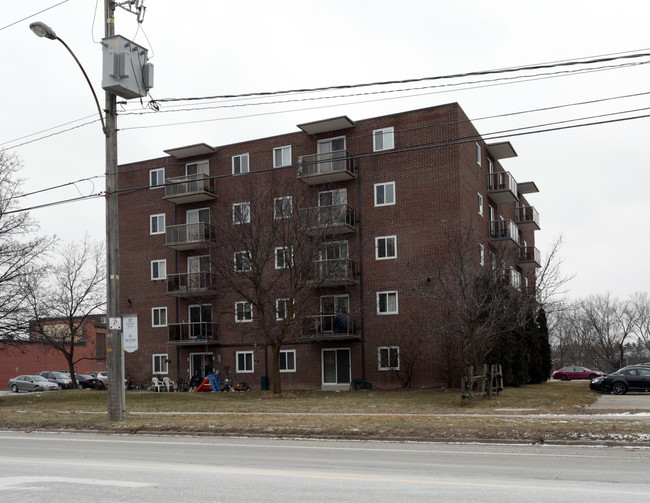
632, 378
86, 381
570, 373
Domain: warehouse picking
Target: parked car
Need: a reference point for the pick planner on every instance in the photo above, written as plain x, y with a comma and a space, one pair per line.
632, 378
63, 380
85, 381
103, 377
31, 383
570, 373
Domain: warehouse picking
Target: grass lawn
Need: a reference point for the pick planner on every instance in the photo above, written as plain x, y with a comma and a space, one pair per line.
539, 413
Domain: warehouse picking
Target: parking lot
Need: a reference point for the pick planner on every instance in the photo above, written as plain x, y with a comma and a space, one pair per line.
629, 401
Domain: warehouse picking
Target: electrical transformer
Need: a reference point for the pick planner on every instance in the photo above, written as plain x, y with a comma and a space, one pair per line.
126, 70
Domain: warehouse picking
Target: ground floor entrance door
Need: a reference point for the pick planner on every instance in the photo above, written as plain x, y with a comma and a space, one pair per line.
197, 362
336, 367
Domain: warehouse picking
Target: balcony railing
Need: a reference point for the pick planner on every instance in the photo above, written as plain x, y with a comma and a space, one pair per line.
504, 231
511, 277
502, 187
326, 167
193, 333
527, 218
190, 283
188, 236
329, 326
190, 189
328, 220
332, 272
528, 257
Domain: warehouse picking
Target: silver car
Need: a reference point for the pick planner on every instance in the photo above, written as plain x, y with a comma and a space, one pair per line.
31, 383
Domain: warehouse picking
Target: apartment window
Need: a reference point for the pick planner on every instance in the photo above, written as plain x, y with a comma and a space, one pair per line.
241, 213
245, 362
490, 166
480, 204
283, 257
157, 224
243, 261
158, 269
197, 168
156, 178
481, 254
478, 154
385, 247
240, 164
386, 302
281, 309
388, 357
287, 360
383, 139
159, 317
282, 207
282, 156
160, 364
243, 312
384, 194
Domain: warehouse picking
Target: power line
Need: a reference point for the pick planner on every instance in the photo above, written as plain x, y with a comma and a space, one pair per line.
32, 15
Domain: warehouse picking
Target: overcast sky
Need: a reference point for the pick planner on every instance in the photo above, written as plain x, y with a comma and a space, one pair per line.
593, 181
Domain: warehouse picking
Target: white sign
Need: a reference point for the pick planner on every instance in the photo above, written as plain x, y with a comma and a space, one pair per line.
115, 323
130, 332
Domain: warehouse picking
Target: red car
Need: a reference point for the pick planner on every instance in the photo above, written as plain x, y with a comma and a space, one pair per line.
569, 373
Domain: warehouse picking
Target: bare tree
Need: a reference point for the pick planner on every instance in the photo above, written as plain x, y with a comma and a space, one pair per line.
19, 252
640, 304
64, 297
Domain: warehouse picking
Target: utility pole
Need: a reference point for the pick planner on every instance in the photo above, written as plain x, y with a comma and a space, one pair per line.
115, 354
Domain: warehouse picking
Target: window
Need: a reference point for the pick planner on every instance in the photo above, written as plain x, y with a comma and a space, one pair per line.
283, 257
245, 362
388, 357
241, 213
385, 247
158, 269
239, 164
156, 178
490, 166
386, 302
287, 360
157, 224
481, 254
281, 309
478, 154
242, 261
480, 204
282, 207
282, 156
197, 168
383, 139
159, 317
243, 312
384, 194
160, 364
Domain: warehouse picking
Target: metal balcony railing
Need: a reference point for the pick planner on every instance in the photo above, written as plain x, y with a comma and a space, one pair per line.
502, 187
329, 325
190, 188
190, 283
188, 236
505, 231
334, 219
193, 332
528, 257
527, 218
326, 167
332, 272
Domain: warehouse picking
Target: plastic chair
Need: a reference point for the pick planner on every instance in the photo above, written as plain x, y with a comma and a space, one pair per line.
169, 384
156, 384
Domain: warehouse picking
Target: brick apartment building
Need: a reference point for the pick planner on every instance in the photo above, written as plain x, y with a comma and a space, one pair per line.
380, 197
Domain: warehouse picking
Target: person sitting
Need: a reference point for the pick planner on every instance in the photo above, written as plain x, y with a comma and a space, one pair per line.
196, 380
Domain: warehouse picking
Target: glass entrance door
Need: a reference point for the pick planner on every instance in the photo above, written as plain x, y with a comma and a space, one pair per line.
336, 366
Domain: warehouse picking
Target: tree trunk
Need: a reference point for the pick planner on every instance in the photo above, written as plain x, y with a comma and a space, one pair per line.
275, 368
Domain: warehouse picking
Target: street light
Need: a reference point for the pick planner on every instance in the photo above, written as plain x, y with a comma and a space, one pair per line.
116, 397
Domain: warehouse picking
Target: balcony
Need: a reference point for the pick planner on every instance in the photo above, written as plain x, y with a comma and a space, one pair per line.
191, 284
188, 236
332, 272
502, 188
189, 189
192, 333
330, 327
505, 232
328, 220
527, 218
528, 257
326, 167
511, 277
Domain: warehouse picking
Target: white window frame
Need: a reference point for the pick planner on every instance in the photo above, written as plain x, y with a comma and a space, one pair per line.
240, 210
387, 294
160, 223
248, 355
285, 156
286, 255
388, 350
246, 313
479, 154
159, 363
385, 248
243, 254
158, 312
281, 309
289, 366
383, 186
285, 207
387, 136
202, 168
480, 203
162, 269
244, 159
481, 254
159, 175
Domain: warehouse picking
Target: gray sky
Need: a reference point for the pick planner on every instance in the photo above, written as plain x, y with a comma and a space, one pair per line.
593, 180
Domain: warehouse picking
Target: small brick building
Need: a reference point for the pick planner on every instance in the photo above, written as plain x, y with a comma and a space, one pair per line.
382, 195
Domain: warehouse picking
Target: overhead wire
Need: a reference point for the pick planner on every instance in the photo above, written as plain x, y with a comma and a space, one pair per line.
32, 15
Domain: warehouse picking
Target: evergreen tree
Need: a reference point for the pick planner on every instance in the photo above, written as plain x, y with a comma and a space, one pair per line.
544, 345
